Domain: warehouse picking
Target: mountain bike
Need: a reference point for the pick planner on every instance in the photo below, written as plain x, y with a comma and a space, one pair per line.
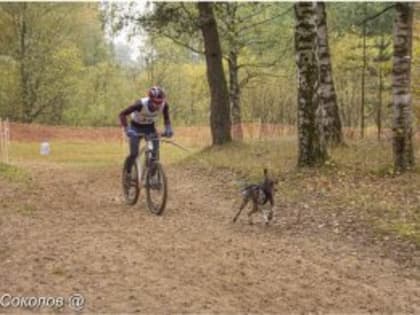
147, 172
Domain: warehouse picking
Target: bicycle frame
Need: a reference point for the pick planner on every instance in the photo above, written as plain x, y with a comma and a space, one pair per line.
146, 151
146, 167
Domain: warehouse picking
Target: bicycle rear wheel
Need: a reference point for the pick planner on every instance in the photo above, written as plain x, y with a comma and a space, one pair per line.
130, 184
156, 189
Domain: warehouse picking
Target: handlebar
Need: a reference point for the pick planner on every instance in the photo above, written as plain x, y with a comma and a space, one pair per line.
154, 137
151, 137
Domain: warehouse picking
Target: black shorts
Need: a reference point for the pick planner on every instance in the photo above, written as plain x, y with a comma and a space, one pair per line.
146, 129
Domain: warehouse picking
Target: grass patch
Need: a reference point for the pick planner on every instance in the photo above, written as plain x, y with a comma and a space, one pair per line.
358, 178
248, 159
81, 153
26, 209
86, 153
13, 173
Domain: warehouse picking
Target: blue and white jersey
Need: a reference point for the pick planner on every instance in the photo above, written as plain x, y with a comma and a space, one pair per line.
144, 116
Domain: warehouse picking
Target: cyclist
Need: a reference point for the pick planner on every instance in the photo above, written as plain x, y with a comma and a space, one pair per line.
144, 114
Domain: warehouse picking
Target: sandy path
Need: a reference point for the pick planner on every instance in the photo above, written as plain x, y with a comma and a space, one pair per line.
72, 234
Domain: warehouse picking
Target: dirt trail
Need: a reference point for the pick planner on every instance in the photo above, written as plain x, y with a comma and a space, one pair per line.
73, 234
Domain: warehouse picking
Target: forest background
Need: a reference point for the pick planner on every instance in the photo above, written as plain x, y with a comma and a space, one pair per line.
59, 65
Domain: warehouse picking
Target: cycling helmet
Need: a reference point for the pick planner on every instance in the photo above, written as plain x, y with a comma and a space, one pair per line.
156, 94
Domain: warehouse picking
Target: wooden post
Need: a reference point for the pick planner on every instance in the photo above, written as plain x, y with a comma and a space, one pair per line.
1, 141
362, 107
6, 140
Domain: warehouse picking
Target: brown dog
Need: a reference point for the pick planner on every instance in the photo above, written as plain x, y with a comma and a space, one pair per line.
260, 195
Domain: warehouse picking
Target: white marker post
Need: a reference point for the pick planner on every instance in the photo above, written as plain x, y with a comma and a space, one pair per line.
44, 148
7, 139
4, 141
1, 142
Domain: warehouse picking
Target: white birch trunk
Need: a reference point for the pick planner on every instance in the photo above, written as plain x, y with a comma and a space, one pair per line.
331, 122
312, 149
402, 123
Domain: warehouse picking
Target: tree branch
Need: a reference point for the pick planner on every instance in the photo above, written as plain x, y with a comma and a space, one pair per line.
252, 15
41, 108
189, 14
254, 75
372, 17
246, 27
183, 44
259, 65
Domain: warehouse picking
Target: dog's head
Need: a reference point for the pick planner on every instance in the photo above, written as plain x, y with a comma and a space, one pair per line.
269, 183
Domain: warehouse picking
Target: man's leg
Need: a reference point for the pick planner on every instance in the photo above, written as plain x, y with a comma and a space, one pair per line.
134, 151
155, 152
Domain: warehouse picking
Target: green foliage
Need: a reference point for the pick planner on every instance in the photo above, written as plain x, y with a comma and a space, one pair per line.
13, 173
80, 78
69, 80
348, 17
9, 92
347, 60
100, 92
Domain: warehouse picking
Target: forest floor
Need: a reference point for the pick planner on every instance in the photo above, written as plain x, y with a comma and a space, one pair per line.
68, 231
344, 238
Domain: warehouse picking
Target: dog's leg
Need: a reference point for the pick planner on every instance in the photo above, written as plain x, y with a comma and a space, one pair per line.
244, 203
270, 215
267, 215
254, 210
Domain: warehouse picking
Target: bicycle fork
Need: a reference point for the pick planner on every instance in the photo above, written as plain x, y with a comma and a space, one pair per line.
142, 167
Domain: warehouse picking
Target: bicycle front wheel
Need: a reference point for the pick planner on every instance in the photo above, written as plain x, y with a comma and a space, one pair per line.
156, 189
130, 184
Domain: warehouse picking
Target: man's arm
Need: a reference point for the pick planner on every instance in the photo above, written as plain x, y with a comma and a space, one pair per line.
166, 117
123, 115
168, 128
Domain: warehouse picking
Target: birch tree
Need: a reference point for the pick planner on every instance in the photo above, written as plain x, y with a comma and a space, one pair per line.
402, 123
311, 144
331, 122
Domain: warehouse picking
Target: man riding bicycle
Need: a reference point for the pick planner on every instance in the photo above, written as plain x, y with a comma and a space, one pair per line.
144, 113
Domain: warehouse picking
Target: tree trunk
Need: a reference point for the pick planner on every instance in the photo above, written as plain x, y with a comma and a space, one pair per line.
234, 85
235, 96
362, 104
24, 75
379, 112
327, 96
220, 122
312, 149
380, 59
402, 123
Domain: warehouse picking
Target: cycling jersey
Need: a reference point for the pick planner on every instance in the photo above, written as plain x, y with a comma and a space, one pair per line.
142, 113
